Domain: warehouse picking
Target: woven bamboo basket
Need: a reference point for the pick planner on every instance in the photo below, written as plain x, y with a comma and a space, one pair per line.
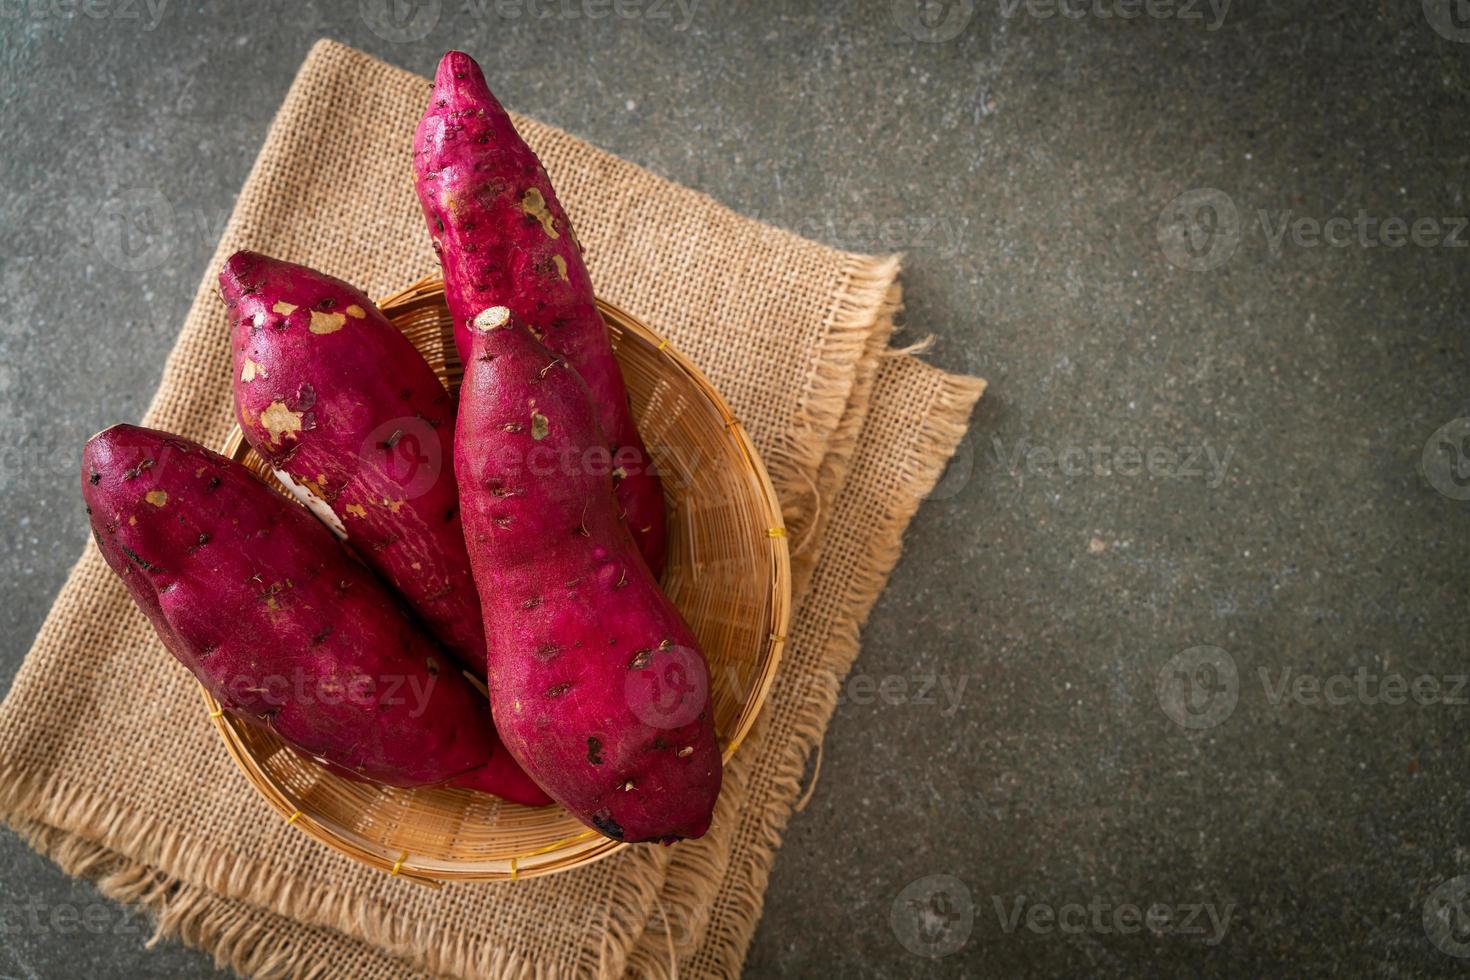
728, 572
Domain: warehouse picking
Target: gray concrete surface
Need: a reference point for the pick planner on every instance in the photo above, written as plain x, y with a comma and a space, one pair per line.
1196, 584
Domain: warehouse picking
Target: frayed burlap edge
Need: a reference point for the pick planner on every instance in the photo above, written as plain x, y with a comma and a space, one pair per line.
833, 469
697, 870
857, 314
195, 915
723, 950
181, 900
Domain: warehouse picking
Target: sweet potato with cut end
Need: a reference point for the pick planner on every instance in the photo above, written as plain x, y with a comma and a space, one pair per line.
357, 425
600, 689
504, 240
267, 610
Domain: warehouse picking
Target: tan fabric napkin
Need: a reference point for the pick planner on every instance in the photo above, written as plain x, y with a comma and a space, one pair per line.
108, 764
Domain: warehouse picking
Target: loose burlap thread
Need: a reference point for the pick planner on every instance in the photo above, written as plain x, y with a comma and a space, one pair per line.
108, 764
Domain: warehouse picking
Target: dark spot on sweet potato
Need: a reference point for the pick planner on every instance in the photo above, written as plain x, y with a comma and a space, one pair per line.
94, 479
547, 651
132, 473
207, 651
200, 542
305, 397
308, 422
603, 821
640, 659
320, 636
139, 560
658, 744
213, 482
326, 303
557, 690
432, 666
594, 750
450, 513
392, 440
532, 602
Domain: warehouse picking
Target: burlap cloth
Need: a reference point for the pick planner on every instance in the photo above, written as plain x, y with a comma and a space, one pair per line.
109, 765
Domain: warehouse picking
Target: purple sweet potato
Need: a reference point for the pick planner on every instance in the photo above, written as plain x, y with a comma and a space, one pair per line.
600, 689
504, 240
355, 422
258, 600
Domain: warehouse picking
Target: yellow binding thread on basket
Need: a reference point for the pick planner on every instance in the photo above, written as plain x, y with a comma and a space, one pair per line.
398, 865
777, 637
216, 712
662, 344
775, 532
293, 818
554, 845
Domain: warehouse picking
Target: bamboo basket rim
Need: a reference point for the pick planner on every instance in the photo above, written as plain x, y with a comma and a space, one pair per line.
587, 847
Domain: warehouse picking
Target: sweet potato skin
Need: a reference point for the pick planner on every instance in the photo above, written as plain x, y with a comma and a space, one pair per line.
338, 400
503, 239
599, 687
264, 607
